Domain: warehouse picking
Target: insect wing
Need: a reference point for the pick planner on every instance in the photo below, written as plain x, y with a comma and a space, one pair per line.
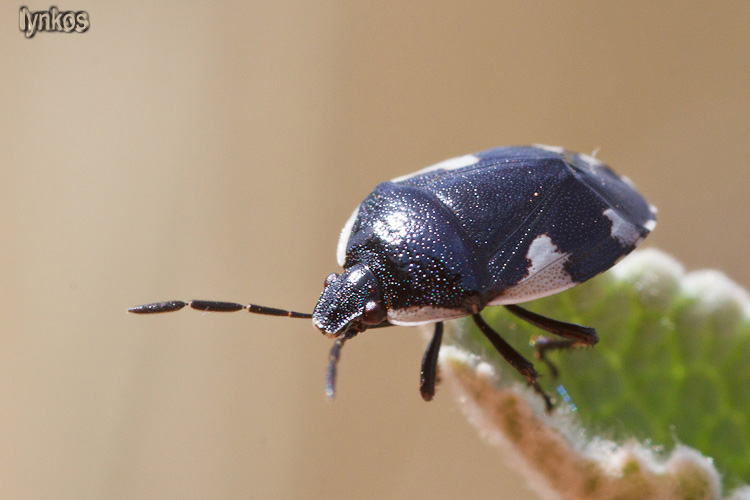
545, 219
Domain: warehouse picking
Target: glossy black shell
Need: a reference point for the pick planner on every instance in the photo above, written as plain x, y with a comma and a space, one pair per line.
502, 226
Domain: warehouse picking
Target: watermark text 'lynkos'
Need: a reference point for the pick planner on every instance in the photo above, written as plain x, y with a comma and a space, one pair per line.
52, 20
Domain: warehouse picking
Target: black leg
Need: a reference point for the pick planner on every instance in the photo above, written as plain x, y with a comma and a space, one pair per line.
573, 335
544, 344
429, 364
524, 367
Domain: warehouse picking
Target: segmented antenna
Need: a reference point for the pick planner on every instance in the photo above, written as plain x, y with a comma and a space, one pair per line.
214, 306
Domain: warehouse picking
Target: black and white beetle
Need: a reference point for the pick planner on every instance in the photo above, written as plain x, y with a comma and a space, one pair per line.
500, 227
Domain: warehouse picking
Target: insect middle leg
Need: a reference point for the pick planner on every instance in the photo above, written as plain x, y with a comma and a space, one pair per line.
514, 358
572, 335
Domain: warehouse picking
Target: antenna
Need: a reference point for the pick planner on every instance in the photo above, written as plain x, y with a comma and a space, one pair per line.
214, 306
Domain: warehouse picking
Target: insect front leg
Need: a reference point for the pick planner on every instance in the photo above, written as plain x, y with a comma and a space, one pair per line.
430, 364
572, 335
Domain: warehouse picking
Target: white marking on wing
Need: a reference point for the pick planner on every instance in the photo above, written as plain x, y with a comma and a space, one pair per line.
449, 164
590, 160
626, 180
552, 149
622, 230
346, 233
546, 276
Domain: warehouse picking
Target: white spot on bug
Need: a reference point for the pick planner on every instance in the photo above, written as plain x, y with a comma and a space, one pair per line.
449, 164
651, 223
412, 316
346, 232
546, 275
626, 180
552, 149
590, 160
622, 230
542, 252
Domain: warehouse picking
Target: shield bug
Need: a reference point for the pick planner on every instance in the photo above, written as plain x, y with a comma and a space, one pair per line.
499, 227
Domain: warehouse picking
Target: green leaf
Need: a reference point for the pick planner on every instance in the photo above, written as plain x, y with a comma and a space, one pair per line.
638, 415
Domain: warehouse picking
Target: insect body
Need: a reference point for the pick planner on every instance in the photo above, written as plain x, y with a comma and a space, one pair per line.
499, 227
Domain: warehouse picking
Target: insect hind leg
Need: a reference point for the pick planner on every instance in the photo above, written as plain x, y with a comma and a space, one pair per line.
572, 335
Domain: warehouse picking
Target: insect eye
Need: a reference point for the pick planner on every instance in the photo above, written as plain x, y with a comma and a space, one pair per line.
330, 279
374, 313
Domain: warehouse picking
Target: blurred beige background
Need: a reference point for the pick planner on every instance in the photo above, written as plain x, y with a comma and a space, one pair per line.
214, 150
